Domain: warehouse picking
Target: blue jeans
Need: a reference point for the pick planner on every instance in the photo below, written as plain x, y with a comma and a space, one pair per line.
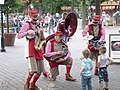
86, 82
15, 28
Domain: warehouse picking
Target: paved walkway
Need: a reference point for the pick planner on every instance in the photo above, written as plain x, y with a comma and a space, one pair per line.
13, 67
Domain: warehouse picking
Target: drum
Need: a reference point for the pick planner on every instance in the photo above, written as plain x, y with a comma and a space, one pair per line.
30, 36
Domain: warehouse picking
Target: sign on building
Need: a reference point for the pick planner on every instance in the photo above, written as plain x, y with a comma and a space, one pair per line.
114, 47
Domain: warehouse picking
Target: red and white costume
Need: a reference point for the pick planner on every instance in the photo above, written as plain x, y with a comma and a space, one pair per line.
52, 48
34, 57
98, 33
51, 51
30, 51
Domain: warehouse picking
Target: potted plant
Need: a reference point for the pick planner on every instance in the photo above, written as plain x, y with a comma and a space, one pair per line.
9, 36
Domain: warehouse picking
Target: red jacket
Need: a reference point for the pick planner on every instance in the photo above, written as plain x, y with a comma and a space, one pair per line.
31, 50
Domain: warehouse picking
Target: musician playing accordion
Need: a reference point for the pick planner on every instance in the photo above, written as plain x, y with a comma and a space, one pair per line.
55, 52
95, 29
32, 31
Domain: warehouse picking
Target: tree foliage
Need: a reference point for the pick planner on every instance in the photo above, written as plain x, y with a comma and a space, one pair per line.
13, 6
54, 6
45, 6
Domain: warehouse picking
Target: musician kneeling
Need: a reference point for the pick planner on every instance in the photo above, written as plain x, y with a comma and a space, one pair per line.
54, 48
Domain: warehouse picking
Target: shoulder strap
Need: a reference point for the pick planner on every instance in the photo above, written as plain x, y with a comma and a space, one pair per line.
30, 26
52, 44
90, 26
63, 42
100, 28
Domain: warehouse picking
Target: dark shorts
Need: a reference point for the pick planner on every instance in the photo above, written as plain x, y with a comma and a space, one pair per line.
103, 75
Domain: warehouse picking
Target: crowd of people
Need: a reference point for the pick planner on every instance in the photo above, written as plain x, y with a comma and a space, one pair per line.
47, 21
107, 18
56, 51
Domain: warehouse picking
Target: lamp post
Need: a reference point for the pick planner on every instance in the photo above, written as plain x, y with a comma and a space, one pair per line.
2, 30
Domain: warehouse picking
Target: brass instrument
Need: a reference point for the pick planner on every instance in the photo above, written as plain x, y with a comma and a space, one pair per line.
68, 28
39, 44
57, 56
69, 25
97, 44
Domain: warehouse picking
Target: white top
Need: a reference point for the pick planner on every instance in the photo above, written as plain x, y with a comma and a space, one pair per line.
103, 59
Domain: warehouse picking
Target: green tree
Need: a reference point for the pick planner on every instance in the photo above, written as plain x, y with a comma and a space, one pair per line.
13, 6
10, 6
45, 6
54, 6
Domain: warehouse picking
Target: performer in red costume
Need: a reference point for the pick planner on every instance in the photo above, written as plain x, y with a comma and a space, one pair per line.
57, 48
33, 33
95, 29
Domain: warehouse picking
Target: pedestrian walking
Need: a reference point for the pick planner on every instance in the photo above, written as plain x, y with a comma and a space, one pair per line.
51, 25
86, 70
33, 33
15, 21
103, 62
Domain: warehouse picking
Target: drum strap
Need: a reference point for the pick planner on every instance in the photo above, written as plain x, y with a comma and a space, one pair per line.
34, 27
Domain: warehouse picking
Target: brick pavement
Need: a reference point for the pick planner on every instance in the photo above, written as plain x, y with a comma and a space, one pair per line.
13, 68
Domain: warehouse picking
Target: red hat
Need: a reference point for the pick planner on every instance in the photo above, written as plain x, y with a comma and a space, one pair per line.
96, 17
58, 33
34, 12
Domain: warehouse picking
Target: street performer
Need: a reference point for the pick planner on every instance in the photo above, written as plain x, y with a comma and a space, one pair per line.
54, 48
95, 29
33, 34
